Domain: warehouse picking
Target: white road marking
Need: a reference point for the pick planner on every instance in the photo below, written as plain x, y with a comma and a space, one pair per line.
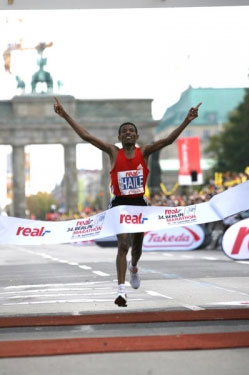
83, 300
209, 258
56, 295
231, 303
85, 267
230, 290
100, 273
44, 290
156, 294
87, 292
193, 307
54, 284
73, 263
242, 262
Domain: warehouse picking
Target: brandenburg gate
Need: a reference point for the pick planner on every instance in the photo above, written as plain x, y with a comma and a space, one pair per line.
30, 119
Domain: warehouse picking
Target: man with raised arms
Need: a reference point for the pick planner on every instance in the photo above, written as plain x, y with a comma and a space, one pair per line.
128, 173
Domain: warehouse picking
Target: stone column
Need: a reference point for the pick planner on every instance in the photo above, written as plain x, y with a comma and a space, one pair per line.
71, 178
18, 167
105, 180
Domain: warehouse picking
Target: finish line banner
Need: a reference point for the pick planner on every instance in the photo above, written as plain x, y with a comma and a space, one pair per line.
123, 219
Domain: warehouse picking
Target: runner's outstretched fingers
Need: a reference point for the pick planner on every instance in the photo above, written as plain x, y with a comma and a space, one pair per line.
198, 105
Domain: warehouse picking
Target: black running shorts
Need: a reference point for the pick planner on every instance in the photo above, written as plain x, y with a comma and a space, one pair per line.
119, 201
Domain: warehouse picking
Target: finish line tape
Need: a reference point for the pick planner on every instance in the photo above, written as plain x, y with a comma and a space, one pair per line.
123, 219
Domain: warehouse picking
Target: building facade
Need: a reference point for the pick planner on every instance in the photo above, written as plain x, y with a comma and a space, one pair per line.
217, 104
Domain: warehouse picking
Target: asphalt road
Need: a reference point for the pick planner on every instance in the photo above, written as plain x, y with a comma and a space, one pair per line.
75, 280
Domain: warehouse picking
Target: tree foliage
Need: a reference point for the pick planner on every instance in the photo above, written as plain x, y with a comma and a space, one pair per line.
40, 203
230, 148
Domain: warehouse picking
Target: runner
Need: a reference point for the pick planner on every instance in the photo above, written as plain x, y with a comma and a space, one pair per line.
128, 173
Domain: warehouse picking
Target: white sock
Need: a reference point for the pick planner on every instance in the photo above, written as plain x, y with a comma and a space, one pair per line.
121, 288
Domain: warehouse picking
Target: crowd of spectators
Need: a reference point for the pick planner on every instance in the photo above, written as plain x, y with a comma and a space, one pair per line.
194, 195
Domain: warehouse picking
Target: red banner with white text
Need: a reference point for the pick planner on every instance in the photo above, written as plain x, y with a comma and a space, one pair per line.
190, 161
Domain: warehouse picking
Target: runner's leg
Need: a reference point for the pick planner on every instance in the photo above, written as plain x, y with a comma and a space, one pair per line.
136, 250
121, 261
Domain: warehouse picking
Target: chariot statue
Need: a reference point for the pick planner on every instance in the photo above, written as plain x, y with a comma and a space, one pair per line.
41, 75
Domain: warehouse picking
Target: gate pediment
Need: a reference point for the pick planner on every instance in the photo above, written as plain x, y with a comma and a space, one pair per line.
30, 119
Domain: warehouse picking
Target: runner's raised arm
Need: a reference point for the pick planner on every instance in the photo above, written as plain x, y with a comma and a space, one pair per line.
158, 145
82, 132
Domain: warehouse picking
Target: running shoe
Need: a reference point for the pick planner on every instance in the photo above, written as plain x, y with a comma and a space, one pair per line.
134, 276
121, 300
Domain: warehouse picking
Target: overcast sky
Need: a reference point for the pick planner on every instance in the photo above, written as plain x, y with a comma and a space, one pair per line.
134, 53
130, 53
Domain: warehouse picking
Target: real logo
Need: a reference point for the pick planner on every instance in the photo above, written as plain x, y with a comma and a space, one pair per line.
132, 219
241, 235
33, 232
172, 211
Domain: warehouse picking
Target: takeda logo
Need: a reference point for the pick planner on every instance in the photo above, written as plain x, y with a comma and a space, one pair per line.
235, 241
132, 219
32, 232
179, 238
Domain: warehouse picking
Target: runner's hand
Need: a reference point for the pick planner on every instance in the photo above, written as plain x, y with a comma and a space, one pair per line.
58, 108
193, 112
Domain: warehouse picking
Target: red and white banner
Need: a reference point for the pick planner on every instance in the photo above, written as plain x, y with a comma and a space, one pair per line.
123, 219
235, 242
177, 238
190, 161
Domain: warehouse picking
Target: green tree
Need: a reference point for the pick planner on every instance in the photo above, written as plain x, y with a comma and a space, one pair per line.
40, 203
230, 148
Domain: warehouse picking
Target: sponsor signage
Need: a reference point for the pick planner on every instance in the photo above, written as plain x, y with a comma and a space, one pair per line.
177, 238
32, 232
235, 242
85, 228
190, 161
132, 219
183, 215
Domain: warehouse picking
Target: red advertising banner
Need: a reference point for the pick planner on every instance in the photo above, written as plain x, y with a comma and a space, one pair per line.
190, 161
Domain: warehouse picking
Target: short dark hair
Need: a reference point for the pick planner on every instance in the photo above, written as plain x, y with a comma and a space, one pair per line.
127, 123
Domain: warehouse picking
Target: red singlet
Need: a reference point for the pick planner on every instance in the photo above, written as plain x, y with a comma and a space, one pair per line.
128, 176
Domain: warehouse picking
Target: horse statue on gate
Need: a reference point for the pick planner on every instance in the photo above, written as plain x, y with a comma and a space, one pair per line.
20, 84
41, 75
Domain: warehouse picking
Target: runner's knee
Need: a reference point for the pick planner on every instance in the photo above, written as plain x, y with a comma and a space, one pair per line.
123, 246
137, 242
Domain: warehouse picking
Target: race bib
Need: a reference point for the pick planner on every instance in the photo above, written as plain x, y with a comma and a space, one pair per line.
131, 182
